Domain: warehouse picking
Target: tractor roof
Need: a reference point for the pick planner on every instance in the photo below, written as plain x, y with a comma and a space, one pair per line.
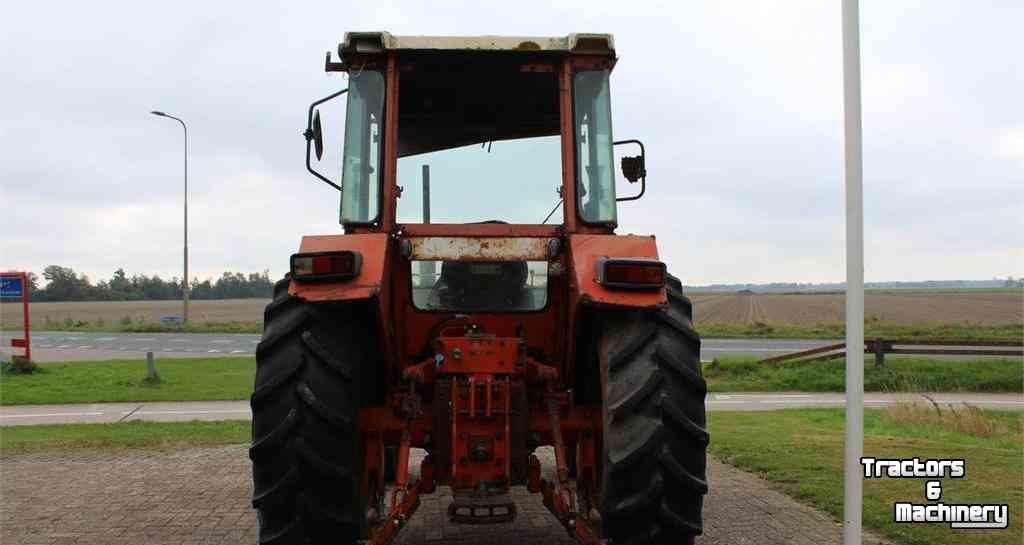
377, 42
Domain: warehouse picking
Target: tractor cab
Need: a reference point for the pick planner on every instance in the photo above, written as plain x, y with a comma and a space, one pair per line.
470, 130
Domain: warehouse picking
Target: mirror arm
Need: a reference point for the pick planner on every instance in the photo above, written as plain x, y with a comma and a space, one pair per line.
309, 137
643, 173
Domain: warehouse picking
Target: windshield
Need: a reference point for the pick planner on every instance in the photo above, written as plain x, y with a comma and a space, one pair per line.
515, 181
486, 133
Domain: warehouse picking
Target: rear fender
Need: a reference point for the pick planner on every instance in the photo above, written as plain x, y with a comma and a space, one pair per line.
373, 248
586, 250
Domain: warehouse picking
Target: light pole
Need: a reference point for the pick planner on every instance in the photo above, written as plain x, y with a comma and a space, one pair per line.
185, 288
853, 484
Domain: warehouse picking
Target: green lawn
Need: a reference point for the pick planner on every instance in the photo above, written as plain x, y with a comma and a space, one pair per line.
801, 451
728, 374
122, 380
871, 330
162, 435
232, 378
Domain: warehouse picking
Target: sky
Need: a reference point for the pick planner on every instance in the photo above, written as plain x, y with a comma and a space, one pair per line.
738, 103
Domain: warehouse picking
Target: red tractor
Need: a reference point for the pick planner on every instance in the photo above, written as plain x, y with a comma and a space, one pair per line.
474, 327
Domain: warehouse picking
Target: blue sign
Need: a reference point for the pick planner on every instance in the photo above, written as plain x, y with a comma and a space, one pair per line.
11, 286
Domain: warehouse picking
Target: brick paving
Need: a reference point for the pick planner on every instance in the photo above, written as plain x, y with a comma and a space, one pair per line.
201, 496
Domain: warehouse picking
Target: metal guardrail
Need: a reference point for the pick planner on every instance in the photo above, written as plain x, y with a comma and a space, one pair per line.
881, 347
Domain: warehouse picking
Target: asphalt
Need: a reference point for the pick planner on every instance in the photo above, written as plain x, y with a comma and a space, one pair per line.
82, 346
239, 410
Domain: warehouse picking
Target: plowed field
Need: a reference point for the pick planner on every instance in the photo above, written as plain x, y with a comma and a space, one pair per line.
980, 307
912, 307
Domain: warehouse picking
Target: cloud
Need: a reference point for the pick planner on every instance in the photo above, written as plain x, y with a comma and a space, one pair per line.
739, 104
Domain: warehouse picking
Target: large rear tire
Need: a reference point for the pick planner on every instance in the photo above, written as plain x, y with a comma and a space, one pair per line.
306, 457
655, 442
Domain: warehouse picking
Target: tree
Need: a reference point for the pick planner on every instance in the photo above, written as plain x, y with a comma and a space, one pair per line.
63, 284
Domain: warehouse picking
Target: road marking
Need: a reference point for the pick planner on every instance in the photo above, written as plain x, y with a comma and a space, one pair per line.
107, 339
46, 346
178, 340
74, 338
209, 411
707, 349
85, 347
730, 396
238, 352
44, 415
64, 346
222, 341
169, 350
213, 351
774, 401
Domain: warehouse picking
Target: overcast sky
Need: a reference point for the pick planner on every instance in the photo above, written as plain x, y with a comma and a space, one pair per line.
739, 104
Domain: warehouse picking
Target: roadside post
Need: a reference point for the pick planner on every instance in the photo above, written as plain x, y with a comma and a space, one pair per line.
14, 285
150, 367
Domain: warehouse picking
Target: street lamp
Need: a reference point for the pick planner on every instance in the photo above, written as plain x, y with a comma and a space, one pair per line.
185, 289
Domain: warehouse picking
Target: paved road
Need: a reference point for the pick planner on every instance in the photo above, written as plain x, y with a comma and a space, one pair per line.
21, 415
64, 346
69, 346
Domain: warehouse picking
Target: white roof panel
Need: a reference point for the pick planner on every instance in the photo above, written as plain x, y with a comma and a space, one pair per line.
373, 42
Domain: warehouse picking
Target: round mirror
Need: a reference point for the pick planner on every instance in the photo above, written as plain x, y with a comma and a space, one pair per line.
318, 136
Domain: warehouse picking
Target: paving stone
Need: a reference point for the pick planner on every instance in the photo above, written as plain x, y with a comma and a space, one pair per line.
202, 496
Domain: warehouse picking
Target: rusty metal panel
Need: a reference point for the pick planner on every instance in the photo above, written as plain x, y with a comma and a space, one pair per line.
372, 247
479, 230
479, 248
587, 249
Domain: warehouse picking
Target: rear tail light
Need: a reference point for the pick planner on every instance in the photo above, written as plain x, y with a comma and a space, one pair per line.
326, 265
632, 273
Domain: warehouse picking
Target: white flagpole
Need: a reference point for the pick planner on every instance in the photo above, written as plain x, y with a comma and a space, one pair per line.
852, 481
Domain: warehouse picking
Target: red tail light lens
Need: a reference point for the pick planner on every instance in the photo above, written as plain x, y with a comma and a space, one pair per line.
631, 273
326, 265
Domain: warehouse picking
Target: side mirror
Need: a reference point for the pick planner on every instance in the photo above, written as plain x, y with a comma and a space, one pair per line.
634, 168
318, 136
314, 134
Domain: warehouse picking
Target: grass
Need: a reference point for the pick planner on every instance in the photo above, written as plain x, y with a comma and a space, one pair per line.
707, 329
207, 379
734, 374
801, 451
136, 434
872, 329
197, 379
